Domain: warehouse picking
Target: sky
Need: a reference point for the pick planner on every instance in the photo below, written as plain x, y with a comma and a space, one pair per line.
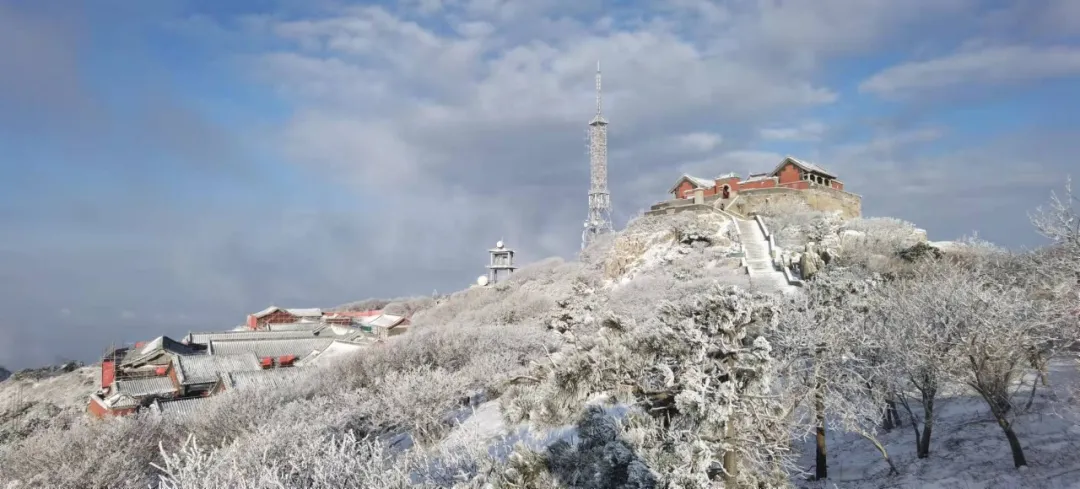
171, 166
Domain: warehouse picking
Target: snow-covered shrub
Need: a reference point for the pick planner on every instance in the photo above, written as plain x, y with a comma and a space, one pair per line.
689, 228
876, 242
794, 223
525, 296
365, 305
700, 367
289, 455
597, 252
598, 457
408, 306
110, 454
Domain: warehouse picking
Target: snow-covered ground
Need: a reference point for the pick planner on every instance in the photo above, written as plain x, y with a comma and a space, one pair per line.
968, 451
968, 448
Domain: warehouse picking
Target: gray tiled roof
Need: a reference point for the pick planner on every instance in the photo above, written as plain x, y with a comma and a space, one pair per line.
282, 327
119, 401
205, 369
266, 378
155, 348
181, 407
145, 387
269, 348
204, 338
810, 166
335, 350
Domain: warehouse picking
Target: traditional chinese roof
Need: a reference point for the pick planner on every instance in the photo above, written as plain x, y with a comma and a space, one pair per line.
806, 166
265, 378
156, 349
757, 177
179, 407
300, 347
205, 338
207, 369
117, 401
697, 182
333, 352
384, 321
298, 312
150, 386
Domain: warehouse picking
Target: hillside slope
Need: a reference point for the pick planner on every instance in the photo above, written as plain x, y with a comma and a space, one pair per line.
488, 380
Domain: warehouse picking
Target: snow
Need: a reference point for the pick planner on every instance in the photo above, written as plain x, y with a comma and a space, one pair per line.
661, 249
968, 449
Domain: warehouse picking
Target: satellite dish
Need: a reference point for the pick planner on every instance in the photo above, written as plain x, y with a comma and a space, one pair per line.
499, 244
482, 280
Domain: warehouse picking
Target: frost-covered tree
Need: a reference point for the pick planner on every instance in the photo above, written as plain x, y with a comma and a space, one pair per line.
697, 378
830, 343
1058, 264
922, 315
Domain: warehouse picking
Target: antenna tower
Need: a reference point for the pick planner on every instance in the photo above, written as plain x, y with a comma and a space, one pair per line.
599, 220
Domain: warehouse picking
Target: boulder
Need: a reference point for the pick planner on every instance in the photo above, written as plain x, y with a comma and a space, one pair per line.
810, 263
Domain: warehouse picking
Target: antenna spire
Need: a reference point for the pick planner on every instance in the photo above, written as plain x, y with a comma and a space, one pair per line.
599, 220
598, 91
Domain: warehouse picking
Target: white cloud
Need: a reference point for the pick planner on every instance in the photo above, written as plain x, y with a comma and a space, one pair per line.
807, 131
989, 65
454, 123
700, 142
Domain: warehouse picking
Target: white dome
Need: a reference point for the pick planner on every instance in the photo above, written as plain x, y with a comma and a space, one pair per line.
499, 244
482, 280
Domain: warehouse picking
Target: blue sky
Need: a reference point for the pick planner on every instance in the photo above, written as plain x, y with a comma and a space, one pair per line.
172, 165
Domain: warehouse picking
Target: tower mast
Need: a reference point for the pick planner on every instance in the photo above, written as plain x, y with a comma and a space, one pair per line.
599, 220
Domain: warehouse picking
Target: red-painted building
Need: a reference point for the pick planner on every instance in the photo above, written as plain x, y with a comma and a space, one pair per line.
280, 315
790, 173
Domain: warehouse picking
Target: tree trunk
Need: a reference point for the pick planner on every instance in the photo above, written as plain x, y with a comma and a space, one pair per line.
890, 418
1031, 396
731, 461
1014, 443
884, 453
821, 465
923, 447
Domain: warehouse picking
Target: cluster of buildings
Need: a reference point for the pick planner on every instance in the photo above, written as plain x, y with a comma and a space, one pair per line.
170, 377
791, 180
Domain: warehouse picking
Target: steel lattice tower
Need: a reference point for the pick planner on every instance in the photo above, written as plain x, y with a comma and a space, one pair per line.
599, 220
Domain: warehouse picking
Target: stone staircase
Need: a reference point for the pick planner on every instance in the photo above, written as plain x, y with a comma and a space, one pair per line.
763, 276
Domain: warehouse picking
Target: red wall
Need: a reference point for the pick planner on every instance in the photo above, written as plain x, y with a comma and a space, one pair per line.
686, 191
171, 372
98, 410
767, 183
837, 185
276, 317
108, 373
789, 174
682, 189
